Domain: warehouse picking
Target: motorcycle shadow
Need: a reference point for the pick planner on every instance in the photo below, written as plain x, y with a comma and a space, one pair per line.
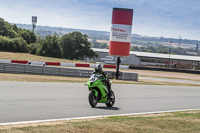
107, 108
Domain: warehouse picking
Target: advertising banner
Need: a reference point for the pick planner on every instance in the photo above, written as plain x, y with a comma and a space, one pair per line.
120, 35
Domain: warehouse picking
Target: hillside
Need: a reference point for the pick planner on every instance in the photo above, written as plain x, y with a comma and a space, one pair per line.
104, 35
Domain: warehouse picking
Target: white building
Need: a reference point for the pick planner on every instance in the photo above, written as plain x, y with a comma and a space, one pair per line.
150, 59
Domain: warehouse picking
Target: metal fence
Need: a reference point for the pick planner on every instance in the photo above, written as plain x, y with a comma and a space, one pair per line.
58, 71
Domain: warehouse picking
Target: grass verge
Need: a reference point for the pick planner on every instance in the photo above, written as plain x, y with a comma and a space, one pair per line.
177, 122
170, 78
165, 74
43, 78
30, 57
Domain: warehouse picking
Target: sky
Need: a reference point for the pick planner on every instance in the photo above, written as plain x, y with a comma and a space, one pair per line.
154, 18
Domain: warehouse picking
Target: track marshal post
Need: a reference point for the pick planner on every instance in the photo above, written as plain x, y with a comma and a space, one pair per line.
120, 35
34, 21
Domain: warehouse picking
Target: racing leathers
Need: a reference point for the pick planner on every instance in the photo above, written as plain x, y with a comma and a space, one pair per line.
107, 81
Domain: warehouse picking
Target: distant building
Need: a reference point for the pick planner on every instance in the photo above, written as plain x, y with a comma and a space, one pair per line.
150, 59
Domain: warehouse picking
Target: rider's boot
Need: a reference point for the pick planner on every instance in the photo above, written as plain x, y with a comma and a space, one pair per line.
109, 92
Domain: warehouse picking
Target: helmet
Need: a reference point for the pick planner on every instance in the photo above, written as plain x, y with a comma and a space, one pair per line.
98, 67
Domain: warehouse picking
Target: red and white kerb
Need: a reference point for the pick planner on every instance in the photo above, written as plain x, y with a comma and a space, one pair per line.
120, 35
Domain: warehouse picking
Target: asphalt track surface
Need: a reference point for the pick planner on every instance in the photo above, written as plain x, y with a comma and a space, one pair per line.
30, 101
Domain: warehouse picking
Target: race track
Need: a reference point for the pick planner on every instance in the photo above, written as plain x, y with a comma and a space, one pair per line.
29, 101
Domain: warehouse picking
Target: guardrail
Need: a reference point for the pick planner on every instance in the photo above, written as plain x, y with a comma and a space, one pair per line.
58, 71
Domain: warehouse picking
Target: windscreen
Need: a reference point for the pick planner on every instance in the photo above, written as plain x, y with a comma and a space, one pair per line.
95, 77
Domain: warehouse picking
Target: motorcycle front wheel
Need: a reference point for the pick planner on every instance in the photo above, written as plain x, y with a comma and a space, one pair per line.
111, 101
92, 99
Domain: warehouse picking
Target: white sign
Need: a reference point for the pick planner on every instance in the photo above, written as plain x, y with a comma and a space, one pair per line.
120, 33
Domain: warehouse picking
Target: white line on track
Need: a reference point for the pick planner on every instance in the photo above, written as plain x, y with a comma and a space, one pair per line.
88, 117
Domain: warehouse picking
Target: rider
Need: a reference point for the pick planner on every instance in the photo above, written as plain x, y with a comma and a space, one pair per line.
98, 70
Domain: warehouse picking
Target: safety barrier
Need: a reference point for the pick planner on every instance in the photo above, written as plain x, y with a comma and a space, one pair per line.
130, 76
41, 63
58, 71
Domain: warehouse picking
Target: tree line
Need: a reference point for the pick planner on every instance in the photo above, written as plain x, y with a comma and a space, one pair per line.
166, 50
162, 39
73, 45
96, 44
15, 39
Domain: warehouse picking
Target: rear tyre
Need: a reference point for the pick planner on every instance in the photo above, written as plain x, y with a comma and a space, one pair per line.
111, 101
92, 99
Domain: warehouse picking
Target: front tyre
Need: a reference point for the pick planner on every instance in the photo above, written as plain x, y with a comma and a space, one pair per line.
92, 99
111, 101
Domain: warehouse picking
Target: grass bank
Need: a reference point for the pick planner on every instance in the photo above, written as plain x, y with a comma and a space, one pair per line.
30, 57
177, 122
60, 79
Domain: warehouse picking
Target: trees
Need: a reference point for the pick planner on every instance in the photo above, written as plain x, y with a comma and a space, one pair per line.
50, 47
162, 49
13, 45
75, 45
11, 31
27, 35
19, 45
135, 48
4, 43
33, 47
14, 39
95, 44
6, 29
165, 50
103, 45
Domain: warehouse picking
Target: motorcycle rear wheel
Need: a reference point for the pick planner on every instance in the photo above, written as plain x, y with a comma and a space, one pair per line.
92, 99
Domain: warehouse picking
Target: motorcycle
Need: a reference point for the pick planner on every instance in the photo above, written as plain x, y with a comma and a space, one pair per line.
99, 91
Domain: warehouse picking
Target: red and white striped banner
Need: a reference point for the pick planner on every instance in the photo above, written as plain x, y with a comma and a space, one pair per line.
120, 35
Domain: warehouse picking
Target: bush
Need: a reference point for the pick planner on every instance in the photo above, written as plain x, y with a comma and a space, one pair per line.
32, 48
13, 45
50, 47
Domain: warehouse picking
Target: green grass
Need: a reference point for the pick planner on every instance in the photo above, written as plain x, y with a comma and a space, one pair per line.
177, 122
182, 114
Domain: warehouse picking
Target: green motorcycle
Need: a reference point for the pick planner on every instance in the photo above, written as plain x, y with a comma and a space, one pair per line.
99, 92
